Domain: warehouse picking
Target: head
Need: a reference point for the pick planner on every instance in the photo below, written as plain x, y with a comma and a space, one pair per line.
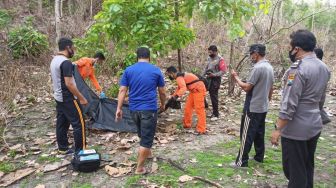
213, 51
302, 41
99, 57
143, 54
66, 47
171, 72
319, 53
257, 52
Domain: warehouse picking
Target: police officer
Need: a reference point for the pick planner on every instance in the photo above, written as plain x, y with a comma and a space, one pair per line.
299, 122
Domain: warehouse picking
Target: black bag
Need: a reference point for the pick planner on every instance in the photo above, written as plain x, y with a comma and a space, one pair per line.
86, 161
200, 78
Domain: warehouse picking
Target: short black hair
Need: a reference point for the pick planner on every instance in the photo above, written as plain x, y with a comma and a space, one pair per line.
319, 53
213, 48
258, 48
143, 52
63, 43
303, 39
99, 55
172, 69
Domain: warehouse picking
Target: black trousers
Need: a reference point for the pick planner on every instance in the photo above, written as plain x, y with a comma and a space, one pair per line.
213, 91
252, 130
70, 113
298, 161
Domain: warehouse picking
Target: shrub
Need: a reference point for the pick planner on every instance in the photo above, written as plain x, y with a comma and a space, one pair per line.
25, 41
5, 18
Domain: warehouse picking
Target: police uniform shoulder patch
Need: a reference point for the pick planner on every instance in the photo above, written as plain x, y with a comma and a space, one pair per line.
290, 78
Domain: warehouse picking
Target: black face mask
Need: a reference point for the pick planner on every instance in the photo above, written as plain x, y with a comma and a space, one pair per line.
212, 55
171, 78
70, 52
292, 56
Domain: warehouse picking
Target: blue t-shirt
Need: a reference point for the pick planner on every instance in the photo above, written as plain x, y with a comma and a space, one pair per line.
142, 80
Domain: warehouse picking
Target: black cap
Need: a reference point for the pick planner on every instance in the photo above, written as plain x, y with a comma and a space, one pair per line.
258, 48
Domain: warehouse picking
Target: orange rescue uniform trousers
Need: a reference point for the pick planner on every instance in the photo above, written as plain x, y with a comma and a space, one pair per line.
195, 100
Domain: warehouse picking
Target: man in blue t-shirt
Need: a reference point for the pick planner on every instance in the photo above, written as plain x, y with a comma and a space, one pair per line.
142, 79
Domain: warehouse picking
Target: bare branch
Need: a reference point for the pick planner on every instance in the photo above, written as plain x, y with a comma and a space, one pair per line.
272, 19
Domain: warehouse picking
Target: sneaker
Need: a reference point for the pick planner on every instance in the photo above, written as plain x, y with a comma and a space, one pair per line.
234, 165
214, 118
66, 152
253, 159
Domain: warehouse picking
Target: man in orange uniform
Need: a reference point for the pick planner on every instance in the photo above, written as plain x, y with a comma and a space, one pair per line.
86, 69
195, 100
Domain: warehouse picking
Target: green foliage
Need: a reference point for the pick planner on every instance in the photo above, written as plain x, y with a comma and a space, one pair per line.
113, 91
25, 41
233, 12
48, 159
6, 166
5, 18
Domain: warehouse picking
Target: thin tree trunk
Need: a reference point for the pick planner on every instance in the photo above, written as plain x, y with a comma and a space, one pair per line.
179, 54
40, 8
57, 19
91, 9
231, 80
70, 7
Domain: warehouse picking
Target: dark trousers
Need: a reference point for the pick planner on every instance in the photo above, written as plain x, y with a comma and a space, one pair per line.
298, 161
70, 113
252, 130
213, 91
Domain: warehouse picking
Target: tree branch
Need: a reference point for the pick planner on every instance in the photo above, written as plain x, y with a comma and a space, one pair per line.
272, 19
295, 23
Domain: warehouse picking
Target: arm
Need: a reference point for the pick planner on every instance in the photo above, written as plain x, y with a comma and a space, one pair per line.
270, 94
288, 104
222, 69
162, 94
95, 82
181, 87
121, 97
245, 86
70, 84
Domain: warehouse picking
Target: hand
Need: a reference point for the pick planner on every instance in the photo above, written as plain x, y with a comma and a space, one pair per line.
234, 73
118, 115
102, 95
83, 101
211, 75
162, 108
275, 137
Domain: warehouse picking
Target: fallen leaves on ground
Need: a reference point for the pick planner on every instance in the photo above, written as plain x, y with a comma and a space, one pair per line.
117, 171
12, 177
185, 178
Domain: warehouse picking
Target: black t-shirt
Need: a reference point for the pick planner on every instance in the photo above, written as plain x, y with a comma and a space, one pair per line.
67, 70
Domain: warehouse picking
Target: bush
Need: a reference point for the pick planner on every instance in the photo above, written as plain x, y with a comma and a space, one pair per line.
25, 41
113, 91
5, 18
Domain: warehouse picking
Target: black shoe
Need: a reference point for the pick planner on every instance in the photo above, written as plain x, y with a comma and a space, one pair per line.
253, 159
65, 152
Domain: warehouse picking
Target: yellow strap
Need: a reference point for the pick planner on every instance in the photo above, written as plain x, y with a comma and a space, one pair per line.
82, 123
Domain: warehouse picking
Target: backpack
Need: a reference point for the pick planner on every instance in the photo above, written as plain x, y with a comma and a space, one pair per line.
200, 78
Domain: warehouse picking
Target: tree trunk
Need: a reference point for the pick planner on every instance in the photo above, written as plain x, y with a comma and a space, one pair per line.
61, 8
231, 80
57, 19
91, 13
40, 8
179, 54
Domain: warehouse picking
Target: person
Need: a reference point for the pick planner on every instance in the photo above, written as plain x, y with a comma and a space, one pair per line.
214, 71
142, 79
259, 88
86, 68
68, 99
195, 101
299, 122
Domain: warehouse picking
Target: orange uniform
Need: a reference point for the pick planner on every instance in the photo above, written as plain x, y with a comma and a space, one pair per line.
195, 100
86, 70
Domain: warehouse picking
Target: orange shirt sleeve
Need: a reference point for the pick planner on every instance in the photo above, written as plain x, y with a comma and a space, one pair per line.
82, 62
181, 87
94, 81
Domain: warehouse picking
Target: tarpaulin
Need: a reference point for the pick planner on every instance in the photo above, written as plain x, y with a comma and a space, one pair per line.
102, 111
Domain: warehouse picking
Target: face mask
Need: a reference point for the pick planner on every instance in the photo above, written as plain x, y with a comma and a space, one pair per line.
171, 78
71, 53
292, 56
212, 55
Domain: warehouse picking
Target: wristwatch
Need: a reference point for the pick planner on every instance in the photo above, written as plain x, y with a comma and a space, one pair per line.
276, 127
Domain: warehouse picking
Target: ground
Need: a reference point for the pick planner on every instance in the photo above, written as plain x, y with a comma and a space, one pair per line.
30, 133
